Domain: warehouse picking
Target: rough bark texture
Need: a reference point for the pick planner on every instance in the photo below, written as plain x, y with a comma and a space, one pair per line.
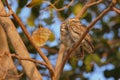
29, 67
7, 67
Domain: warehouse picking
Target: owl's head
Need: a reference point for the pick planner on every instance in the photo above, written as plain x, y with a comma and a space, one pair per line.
73, 21
68, 23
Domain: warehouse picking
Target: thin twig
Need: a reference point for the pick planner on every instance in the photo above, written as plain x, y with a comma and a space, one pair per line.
28, 36
6, 15
30, 59
116, 10
60, 9
94, 3
15, 76
87, 5
53, 4
50, 5
50, 50
83, 36
65, 6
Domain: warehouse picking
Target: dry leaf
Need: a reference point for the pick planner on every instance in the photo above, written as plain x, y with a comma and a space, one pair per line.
40, 36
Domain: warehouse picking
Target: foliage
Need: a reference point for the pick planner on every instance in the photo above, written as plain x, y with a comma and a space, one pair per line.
105, 35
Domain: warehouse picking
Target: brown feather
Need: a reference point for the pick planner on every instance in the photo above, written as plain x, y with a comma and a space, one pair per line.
71, 32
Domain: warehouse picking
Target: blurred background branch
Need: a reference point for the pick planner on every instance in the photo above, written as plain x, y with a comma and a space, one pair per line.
50, 14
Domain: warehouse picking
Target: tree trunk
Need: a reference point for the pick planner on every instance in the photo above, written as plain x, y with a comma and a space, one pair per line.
29, 67
7, 67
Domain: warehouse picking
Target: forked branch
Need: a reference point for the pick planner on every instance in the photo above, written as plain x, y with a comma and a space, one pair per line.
87, 5
6, 15
28, 36
116, 10
83, 36
60, 9
32, 60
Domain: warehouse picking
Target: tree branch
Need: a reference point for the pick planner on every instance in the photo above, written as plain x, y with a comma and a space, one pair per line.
60, 9
29, 67
116, 10
87, 5
6, 14
50, 5
83, 36
16, 76
28, 36
6, 63
30, 59
65, 6
59, 61
50, 50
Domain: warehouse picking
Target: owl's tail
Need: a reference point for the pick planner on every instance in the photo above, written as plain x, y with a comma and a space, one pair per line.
79, 53
88, 47
85, 46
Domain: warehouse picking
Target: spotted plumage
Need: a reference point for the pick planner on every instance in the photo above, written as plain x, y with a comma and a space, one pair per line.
71, 32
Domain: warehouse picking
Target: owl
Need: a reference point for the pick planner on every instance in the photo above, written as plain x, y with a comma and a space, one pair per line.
71, 32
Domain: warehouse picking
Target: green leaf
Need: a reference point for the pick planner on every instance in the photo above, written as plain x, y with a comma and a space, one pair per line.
34, 3
73, 62
89, 61
88, 68
30, 20
77, 8
96, 59
52, 37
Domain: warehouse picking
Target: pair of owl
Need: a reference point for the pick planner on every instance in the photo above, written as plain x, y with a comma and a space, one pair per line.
71, 32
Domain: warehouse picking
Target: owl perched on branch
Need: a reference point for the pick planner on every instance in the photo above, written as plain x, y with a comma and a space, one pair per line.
71, 32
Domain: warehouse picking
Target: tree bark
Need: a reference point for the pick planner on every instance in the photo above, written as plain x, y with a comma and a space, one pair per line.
7, 67
29, 67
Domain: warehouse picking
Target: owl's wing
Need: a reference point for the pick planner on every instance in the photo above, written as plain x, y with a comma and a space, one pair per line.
87, 42
76, 32
88, 47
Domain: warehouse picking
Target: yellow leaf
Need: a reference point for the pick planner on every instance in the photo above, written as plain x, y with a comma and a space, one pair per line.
73, 62
52, 37
88, 60
30, 20
40, 36
34, 3
88, 68
77, 8
96, 58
